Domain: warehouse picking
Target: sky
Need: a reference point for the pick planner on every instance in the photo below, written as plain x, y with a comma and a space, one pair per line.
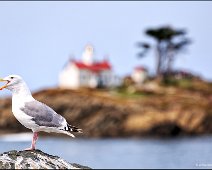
37, 38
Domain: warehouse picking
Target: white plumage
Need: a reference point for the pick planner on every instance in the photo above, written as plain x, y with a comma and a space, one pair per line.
33, 114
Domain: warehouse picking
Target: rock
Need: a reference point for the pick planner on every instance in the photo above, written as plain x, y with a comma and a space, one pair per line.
35, 159
103, 113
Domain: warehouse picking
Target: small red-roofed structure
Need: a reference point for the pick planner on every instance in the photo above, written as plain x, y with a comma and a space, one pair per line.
139, 74
87, 72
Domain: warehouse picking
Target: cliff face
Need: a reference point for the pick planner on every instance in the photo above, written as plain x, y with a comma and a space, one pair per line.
96, 115
104, 114
35, 159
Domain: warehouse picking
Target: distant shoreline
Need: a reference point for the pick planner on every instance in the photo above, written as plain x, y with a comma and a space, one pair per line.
163, 112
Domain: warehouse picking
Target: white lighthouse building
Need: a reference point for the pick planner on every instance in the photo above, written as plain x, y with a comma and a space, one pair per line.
87, 73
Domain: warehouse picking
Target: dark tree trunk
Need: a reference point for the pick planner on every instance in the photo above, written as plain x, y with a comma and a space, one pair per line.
158, 59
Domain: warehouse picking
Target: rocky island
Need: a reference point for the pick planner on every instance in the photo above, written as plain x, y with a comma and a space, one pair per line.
162, 111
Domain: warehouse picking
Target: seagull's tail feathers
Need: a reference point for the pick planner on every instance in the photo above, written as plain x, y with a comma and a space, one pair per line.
69, 129
69, 134
73, 129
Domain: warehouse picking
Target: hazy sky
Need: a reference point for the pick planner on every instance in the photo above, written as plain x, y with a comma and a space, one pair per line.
37, 38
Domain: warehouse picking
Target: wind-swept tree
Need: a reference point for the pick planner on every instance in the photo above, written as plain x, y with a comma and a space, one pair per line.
169, 42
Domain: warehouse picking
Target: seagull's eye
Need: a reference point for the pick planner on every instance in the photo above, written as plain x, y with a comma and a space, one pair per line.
12, 77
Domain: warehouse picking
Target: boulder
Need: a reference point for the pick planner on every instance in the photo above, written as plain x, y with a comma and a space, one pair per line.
34, 159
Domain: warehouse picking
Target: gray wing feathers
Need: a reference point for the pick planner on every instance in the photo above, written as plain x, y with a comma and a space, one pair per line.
42, 114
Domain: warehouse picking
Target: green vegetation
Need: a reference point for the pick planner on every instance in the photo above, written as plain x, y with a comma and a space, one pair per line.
126, 93
184, 83
169, 86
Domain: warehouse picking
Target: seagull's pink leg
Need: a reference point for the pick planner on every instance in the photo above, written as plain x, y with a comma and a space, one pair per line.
34, 139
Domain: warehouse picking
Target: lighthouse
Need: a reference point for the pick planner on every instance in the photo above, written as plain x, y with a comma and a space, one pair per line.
87, 56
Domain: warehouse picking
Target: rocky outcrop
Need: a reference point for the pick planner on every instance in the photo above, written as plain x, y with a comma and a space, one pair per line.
35, 159
172, 112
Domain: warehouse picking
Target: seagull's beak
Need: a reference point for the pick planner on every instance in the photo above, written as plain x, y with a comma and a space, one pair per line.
1, 88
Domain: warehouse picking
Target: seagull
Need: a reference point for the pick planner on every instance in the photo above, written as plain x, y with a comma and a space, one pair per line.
33, 114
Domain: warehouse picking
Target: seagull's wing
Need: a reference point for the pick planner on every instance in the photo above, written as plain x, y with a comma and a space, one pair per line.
43, 115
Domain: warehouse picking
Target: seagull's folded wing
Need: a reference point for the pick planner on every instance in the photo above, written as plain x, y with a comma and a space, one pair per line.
42, 115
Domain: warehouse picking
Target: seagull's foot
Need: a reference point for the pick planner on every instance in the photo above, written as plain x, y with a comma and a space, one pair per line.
30, 149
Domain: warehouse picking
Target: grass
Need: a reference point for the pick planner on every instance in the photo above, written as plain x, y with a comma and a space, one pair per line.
130, 93
185, 83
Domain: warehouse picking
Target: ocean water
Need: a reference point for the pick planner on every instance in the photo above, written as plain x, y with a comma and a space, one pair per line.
190, 152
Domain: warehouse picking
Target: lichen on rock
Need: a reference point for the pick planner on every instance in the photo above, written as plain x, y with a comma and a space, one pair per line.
34, 159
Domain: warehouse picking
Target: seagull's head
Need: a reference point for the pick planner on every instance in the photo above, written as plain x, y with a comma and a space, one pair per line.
12, 81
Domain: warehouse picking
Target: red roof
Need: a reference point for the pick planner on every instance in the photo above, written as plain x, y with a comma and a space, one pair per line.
140, 68
97, 66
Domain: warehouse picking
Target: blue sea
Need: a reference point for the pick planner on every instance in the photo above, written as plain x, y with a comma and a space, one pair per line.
192, 152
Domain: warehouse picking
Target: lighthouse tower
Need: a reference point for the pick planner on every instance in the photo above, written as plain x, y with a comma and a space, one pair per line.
87, 55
